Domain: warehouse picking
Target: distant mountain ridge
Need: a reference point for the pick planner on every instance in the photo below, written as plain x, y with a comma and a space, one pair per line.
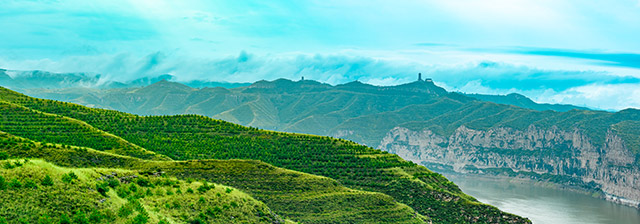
21, 80
524, 102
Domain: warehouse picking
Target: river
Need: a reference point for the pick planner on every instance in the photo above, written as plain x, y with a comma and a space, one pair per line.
542, 204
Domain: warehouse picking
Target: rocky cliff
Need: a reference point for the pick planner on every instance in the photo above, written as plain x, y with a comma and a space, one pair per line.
569, 156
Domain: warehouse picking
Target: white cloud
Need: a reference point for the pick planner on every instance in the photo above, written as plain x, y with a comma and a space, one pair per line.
598, 89
610, 97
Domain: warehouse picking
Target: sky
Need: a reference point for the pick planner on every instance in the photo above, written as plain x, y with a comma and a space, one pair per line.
581, 52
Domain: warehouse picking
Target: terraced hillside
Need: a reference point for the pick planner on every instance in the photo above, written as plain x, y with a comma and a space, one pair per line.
596, 151
92, 187
303, 197
363, 169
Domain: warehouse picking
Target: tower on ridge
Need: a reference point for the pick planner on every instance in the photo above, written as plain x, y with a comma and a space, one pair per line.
419, 76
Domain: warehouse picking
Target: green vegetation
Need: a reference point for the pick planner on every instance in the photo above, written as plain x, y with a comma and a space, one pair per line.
299, 196
79, 202
524, 102
51, 128
379, 178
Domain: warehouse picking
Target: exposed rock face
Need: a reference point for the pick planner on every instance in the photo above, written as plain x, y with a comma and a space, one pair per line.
610, 165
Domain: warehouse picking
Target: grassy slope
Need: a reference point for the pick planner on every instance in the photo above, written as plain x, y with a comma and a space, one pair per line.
299, 196
45, 127
159, 202
126, 198
356, 166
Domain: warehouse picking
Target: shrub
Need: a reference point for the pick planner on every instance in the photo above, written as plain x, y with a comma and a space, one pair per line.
122, 192
4, 155
47, 181
8, 165
229, 190
80, 218
64, 219
23, 221
140, 219
30, 184
125, 210
44, 219
3, 220
113, 183
102, 188
133, 188
160, 192
143, 182
109, 216
69, 177
3, 184
203, 188
95, 216
15, 183
196, 221
189, 190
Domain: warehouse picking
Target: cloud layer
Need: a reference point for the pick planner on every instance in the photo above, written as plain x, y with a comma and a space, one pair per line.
553, 51
594, 89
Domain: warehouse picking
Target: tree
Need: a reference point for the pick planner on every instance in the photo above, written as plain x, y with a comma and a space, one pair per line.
47, 181
29, 183
64, 219
4, 155
80, 218
69, 177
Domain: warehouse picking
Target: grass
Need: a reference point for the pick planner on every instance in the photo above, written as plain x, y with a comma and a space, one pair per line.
80, 197
290, 194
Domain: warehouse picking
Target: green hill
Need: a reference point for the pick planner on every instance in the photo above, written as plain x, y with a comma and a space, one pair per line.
418, 120
300, 196
305, 198
95, 187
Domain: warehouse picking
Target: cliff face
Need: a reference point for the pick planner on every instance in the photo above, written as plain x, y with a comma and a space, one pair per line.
610, 165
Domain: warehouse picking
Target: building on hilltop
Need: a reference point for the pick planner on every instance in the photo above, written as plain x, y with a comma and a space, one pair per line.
426, 79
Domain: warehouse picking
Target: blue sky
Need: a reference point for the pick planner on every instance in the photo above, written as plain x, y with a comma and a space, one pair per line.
582, 52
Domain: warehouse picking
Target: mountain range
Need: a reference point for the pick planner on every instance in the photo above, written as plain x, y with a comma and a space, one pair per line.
21, 80
511, 135
63, 163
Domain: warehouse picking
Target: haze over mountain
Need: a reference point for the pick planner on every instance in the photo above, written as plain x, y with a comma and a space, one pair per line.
21, 80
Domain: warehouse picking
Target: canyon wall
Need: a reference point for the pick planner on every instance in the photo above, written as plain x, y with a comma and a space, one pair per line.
571, 155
